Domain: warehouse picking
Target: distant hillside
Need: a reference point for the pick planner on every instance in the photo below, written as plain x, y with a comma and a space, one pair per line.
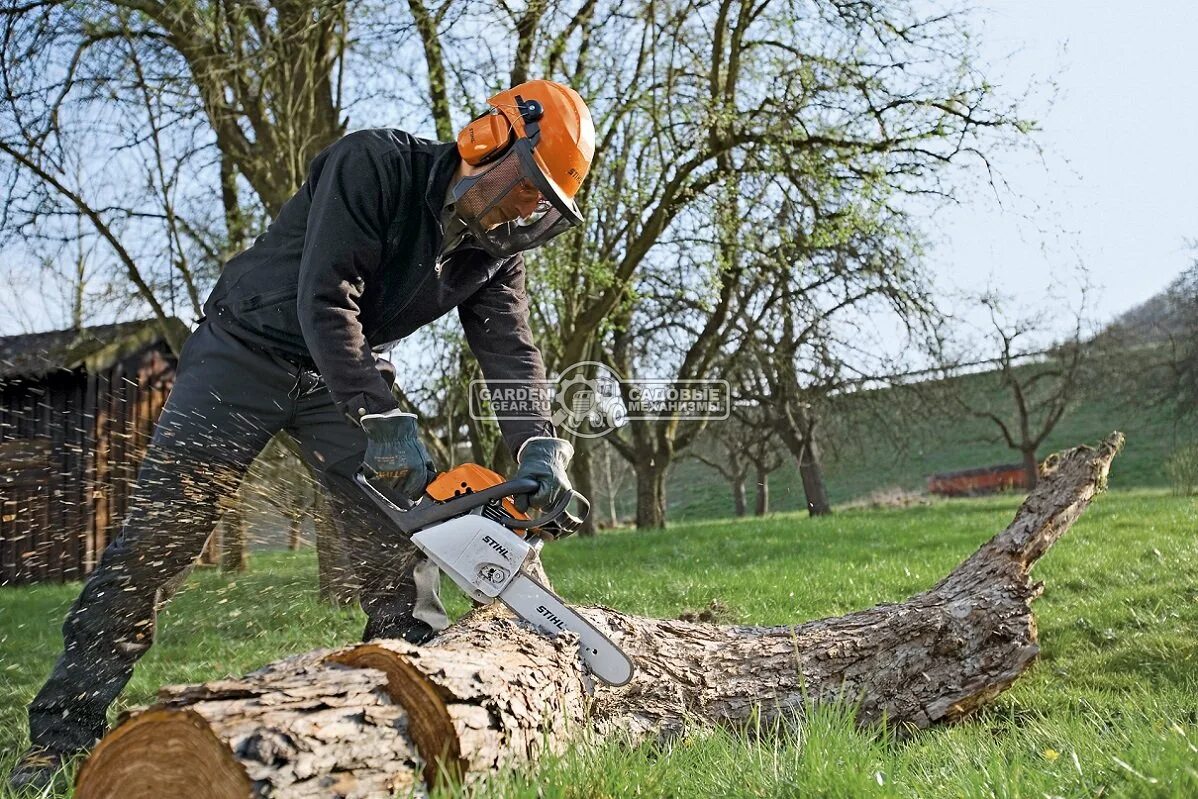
1162, 316
862, 455
869, 448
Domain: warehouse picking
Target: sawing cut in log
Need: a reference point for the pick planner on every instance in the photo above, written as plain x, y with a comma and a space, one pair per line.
388, 718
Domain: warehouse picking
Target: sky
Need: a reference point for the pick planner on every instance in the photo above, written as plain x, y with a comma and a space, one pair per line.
1114, 189
1113, 186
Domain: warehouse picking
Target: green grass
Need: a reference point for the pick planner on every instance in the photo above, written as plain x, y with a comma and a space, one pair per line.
1110, 709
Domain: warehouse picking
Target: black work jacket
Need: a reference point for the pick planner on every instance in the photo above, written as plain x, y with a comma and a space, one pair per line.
350, 266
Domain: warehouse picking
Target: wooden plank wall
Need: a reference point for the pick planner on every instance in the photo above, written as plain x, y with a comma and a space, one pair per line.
39, 491
70, 446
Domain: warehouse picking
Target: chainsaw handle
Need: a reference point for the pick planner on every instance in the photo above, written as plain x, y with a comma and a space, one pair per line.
556, 516
410, 518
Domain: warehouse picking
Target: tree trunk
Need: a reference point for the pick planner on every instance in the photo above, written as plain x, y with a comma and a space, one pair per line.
612, 510
338, 584
210, 556
295, 523
1031, 469
234, 555
336, 581
611, 487
583, 476
481, 444
763, 493
738, 495
797, 432
650, 495
502, 459
487, 693
812, 474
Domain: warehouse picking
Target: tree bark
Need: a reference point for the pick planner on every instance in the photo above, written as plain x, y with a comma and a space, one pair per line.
582, 472
763, 493
234, 553
487, 693
812, 473
650, 495
738, 495
1031, 469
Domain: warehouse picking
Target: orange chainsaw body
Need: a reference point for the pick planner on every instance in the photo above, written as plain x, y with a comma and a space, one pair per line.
466, 479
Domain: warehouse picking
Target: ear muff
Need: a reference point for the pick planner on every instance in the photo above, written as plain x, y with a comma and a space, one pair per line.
484, 139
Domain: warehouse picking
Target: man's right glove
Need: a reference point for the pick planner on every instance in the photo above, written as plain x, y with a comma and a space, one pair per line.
395, 453
544, 459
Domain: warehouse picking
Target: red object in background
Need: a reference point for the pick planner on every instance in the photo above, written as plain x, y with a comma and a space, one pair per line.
972, 482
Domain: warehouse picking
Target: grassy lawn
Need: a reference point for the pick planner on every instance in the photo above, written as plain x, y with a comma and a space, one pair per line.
1111, 709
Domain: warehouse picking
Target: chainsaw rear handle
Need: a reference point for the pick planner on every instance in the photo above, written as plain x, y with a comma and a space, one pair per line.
411, 518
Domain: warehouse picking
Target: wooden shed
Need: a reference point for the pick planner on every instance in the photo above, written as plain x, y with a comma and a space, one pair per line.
77, 408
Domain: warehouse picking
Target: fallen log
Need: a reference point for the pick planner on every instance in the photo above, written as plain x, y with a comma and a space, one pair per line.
387, 717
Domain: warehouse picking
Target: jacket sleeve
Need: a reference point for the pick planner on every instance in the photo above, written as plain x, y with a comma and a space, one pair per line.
495, 320
353, 189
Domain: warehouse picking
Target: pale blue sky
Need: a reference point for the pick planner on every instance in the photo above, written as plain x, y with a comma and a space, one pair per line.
1115, 189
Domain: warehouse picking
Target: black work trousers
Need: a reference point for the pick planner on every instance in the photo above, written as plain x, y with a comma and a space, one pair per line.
227, 402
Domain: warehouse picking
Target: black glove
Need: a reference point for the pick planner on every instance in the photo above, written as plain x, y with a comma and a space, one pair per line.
395, 453
545, 460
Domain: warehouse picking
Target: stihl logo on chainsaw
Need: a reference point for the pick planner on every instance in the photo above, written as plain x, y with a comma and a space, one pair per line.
498, 547
552, 617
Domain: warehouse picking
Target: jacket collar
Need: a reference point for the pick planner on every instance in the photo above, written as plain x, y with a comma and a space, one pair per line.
447, 160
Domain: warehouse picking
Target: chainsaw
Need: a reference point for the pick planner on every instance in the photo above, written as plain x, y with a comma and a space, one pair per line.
467, 523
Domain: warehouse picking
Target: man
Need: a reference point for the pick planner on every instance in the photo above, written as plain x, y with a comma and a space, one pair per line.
388, 233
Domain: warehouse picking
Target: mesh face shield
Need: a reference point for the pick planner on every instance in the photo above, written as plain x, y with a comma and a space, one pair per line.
491, 204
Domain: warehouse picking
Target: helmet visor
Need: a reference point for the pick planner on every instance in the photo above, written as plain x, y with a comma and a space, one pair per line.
513, 206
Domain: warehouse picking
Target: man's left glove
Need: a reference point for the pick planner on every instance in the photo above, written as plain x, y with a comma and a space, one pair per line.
395, 453
545, 460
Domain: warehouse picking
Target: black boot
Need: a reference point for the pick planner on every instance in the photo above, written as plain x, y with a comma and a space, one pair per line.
37, 769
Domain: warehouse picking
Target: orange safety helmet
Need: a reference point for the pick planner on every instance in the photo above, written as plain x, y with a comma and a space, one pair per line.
539, 135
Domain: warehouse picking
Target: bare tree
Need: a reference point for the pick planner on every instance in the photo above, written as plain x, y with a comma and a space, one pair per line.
852, 123
690, 98
163, 92
741, 448
1032, 385
766, 460
846, 289
727, 456
182, 103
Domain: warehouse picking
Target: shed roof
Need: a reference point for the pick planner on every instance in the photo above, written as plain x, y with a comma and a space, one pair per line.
34, 355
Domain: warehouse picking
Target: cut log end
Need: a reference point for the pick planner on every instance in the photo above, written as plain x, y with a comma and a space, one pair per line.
429, 724
298, 729
161, 756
